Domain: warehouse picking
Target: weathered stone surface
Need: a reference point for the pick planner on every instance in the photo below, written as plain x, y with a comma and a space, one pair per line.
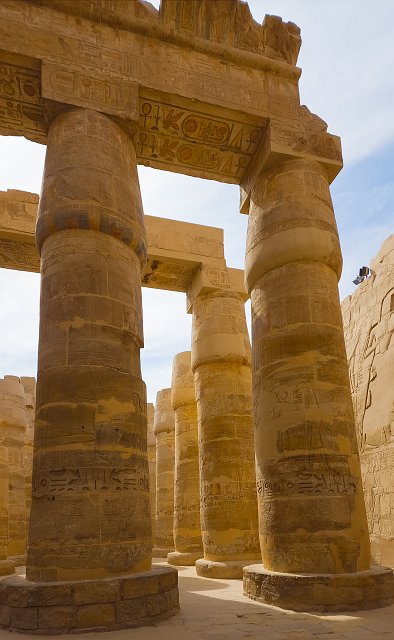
13, 421
152, 466
308, 470
330, 593
72, 607
221, 365
187, 528
90, 507
368, 317
29, 385
164, 428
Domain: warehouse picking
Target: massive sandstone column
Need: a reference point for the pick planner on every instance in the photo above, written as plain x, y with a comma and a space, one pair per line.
152, 465
13, 422
221, 365
164, 428
6, 566
29, 385
187, 528
90, 513
311, 505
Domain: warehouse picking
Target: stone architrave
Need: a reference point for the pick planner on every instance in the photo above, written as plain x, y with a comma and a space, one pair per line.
13, 421
313, 528
29, 385
368, 317
90, 522
7, 566
187, 528
221, 360
152, 465
164, 428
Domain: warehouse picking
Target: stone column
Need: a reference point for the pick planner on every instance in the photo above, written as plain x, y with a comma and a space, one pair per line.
187, 528
29, 385
221, 364
13, 422
90, 514
165, 460
6, 565
152, 465
313, 528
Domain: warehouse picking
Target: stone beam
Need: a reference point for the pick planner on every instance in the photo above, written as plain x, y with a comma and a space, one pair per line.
176, 250
197, 84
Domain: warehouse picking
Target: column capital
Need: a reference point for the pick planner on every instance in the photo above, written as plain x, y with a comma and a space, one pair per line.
308, 139
209, 279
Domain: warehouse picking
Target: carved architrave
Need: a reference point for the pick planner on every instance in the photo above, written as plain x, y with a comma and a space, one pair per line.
190, 140
22, 256
21, 110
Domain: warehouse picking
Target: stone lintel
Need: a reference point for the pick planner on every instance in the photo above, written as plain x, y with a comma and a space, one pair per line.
43, 608
310, 140
210, 278
176, 250
90, 89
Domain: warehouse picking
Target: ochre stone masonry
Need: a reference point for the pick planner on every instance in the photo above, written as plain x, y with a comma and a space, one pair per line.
196, 87
164, 428
368, 317
152, 466
187, 528
308, 470
223, 380
29, 385
13, 422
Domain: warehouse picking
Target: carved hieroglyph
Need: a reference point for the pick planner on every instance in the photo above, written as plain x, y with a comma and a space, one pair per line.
187, 528
152, 466
221, 365
164, 428
13, 422
368, 316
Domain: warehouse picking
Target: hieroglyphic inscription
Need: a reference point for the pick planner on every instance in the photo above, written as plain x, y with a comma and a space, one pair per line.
58, 481
216, 494
21, 112
22, 256
190, 142
315, 483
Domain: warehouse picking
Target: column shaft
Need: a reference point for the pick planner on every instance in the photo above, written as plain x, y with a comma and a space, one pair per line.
152, 466
311, 506
221, 365
164, 428
187, 528
13, 422
90, 515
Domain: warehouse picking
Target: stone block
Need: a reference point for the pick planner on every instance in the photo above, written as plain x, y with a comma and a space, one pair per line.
56, 617
131, 610
5, 615
143, 585
168, 581
95, 615
96, 592
157, 604
24, 618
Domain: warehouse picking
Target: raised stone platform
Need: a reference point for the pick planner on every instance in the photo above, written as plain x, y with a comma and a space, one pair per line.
325, 593
92, 605
226, 569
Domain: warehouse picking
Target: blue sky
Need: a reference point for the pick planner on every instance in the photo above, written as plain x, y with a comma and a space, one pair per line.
347, 59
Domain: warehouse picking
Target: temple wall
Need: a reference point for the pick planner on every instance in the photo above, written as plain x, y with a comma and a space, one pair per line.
368, 317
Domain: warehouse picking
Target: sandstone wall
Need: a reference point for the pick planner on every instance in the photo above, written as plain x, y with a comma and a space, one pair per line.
368, 317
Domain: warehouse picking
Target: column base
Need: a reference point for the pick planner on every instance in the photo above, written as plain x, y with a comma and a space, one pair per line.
179, 558
88, 605
226, 569
325, 593
161, 552
7, 567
